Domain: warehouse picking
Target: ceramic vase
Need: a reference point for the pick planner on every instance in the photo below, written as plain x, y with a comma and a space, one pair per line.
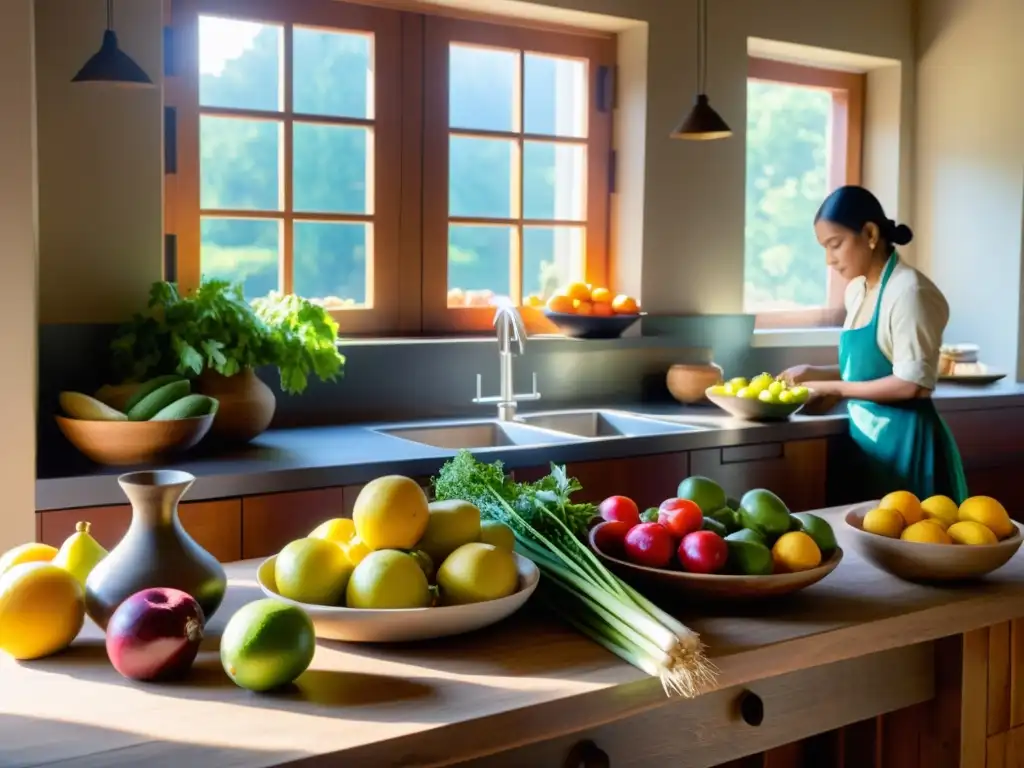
246, 405
155, 552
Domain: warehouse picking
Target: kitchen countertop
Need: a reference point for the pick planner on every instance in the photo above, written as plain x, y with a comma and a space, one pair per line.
319, 457
525, 680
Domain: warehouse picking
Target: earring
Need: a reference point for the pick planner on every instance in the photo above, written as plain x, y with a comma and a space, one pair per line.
872, 245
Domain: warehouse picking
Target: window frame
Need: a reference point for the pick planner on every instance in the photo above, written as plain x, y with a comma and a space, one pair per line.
845, 167
407, 277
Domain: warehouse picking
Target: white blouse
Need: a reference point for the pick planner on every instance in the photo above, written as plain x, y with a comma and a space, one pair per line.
911, 321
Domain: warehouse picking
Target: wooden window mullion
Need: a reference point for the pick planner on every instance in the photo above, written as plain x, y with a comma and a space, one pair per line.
287, 237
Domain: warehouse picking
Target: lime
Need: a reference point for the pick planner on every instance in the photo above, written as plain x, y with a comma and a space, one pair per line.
388, 578
475, 573
765, 512
708, 494
746, 534
267, 644
314, 571
818, 529
498, 534
710, 524
748, 558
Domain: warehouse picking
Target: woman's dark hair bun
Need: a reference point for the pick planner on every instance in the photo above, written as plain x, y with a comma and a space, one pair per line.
901, 234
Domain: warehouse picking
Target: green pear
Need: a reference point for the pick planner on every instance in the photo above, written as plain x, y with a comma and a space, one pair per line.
79, 553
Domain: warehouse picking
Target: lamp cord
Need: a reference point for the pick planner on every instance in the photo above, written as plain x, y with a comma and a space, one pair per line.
110, 14
702, 46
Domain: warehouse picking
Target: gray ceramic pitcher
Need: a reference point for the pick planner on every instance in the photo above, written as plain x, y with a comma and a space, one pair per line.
156, 551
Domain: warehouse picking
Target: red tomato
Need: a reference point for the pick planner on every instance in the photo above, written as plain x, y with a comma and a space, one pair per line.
620, 508
609, 537
680, 516
649, 544
703, 552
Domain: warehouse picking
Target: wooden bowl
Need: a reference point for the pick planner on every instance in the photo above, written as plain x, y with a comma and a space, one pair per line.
591, 326
400, 625
752, 409
916, 561
716, 587
127, 443
690, 383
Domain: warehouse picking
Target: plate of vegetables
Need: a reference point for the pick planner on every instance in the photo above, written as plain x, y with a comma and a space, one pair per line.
705, 545
551, 529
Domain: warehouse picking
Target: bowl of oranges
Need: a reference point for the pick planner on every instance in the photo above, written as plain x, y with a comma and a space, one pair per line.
584, 312
934, 539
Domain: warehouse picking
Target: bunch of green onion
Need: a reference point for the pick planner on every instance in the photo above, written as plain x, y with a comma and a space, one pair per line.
549, 528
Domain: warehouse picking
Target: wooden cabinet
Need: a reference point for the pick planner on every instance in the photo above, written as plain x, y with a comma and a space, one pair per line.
991, 444
215, 525
270, 522
795, 471
798, 715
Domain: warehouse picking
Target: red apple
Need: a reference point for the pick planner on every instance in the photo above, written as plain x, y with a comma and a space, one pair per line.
680, 516
610, 536
155, 634
649, 544
620, 508
703, 552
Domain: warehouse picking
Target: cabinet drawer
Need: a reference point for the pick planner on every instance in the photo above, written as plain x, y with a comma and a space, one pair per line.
711, 729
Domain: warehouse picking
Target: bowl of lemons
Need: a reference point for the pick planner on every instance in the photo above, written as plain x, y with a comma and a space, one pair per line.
934, 539
401, 569
762, 398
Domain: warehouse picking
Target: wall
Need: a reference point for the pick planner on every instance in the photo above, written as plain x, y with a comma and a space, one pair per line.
100, 164
970, 168
18, 308
99, 154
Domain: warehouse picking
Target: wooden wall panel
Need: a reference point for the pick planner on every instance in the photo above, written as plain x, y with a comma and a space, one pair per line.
647, 480
270, 522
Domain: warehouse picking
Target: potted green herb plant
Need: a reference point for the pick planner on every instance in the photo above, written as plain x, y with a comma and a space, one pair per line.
218, 338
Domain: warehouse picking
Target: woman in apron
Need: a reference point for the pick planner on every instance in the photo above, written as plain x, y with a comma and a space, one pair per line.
888, 354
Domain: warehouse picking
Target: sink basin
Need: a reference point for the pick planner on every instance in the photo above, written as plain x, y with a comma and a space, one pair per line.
486, 434
602, 424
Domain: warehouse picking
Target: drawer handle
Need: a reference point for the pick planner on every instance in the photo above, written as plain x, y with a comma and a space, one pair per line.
751, 708
586, 754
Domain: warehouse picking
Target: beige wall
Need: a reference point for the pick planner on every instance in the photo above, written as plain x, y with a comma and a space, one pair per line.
970, 167
18, 308
99, 153
100, 165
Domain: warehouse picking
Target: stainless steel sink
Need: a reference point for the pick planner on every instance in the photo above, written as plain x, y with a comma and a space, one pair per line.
488, 434
602, 423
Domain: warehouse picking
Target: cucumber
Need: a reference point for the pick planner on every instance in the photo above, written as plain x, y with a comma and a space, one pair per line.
188, 407
147, 388
156, 401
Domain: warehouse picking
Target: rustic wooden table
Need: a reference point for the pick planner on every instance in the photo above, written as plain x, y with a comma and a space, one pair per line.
532, 681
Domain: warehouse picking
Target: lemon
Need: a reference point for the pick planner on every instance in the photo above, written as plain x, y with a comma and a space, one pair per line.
356, 550
451, 524
969, 532
312, 571
926, 532
884, 522
340, 530
42, 609
795, 551
906, 504
27, 553
988, 512
940, 509
498, 534
388, 578
477, 572
391, 512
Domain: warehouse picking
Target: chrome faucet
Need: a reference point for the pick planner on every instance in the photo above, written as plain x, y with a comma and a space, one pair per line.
511, 332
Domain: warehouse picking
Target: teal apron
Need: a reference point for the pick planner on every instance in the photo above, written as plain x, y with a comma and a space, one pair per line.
904, 446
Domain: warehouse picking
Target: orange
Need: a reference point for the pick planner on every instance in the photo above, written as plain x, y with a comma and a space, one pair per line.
601, 295
533, 300
578, 291
906, 503
42, 609
624, 305
603, 309
561, 303
583, 307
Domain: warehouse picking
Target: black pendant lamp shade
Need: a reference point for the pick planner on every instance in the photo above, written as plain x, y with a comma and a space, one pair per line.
702, 123
111, 65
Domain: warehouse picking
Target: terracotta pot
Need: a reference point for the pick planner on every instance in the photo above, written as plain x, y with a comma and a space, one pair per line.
246, 405
687, 383
156, 551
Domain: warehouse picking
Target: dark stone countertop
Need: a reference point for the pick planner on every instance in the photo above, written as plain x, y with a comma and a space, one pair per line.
318, 457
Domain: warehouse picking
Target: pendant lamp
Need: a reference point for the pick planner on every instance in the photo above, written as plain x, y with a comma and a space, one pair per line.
110, 65
702, 123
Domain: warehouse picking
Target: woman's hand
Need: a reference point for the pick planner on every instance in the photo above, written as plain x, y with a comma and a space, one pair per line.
801, 374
